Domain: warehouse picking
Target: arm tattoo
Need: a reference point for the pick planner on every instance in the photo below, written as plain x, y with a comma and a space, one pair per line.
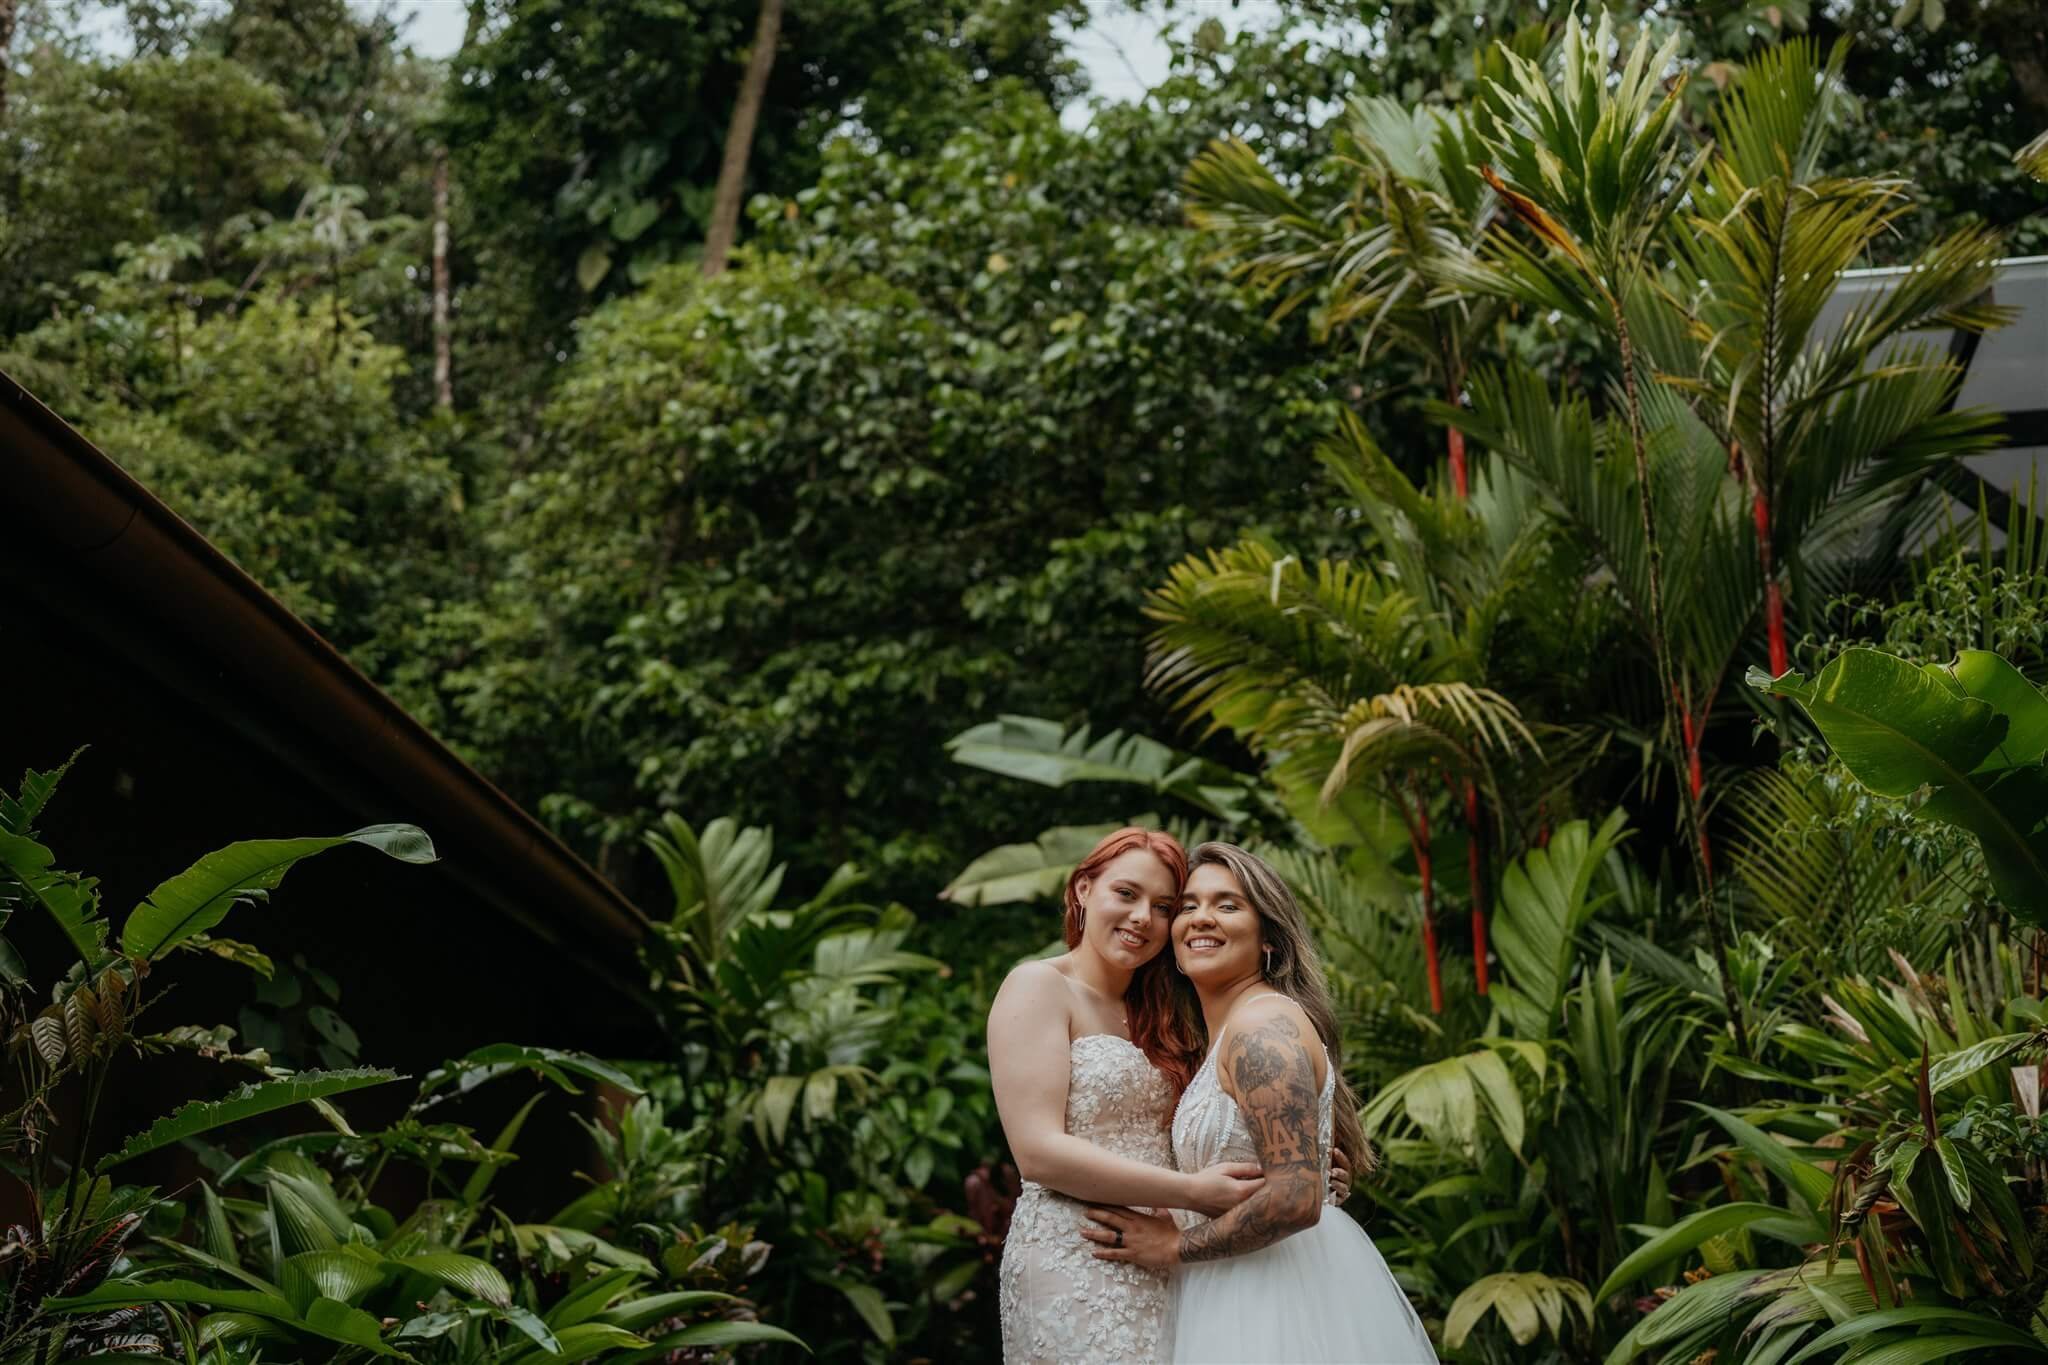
1276, 1090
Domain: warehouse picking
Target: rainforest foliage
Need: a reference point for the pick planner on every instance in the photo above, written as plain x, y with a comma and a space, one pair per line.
1426, 442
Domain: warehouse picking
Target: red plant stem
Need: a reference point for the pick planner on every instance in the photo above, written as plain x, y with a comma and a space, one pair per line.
1456, 441
1695, 731
1774, 601
1419, 839
1478, 886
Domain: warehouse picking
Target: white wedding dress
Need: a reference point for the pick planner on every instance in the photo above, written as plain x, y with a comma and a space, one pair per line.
1323, 1294
1061, 1306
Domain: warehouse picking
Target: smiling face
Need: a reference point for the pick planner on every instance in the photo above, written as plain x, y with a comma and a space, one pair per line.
1129, 906
1216, 938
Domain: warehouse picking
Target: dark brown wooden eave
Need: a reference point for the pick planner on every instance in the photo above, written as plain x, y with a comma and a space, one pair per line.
105, 528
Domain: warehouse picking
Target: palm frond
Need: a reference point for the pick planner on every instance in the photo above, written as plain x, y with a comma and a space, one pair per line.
1820, 875
1775, 120
1280, 246
2033, 158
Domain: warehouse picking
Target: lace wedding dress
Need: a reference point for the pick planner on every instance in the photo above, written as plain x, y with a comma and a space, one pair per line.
1060, 1304
1323, 1294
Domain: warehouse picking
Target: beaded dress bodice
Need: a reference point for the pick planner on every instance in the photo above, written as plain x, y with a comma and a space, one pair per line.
1058, 1302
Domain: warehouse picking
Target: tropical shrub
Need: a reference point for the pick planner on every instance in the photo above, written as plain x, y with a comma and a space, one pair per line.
83, 1222
832, 1093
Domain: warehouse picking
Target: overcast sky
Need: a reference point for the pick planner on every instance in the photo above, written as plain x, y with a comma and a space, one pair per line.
1125, 53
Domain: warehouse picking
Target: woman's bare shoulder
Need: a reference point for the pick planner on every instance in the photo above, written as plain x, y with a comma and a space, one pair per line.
1038, 985
1275, 1026
1261, 1011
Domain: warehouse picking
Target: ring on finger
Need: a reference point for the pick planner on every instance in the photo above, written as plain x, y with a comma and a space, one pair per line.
1119, 1239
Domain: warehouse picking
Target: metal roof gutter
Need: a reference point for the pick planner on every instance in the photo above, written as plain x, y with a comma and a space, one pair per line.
106, 525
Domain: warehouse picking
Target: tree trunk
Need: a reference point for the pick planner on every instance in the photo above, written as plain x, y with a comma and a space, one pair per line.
739, 141
6, 43
444, 360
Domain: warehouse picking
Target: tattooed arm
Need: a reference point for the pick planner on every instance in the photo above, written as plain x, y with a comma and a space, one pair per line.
1269, 1067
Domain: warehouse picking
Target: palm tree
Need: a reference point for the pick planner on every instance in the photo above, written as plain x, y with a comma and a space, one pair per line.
1821, 441
1337, 678
1389, 259
1819, 438
1594, 167
1388, 262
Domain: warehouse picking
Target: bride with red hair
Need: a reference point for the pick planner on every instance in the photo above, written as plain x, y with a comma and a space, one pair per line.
1089, 1053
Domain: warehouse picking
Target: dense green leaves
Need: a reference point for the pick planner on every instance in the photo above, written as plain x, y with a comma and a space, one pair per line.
1972, 734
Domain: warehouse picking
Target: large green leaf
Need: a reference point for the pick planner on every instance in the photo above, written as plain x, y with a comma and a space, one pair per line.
1898, 729
1895, 726
582, 1341
714, 1334
1909, 1318
1990, 679
233, 1326
467, 1274
493, 1060
719, 879
203, 1116
340, 1275
1690, 1314
120, 1293
1946, 1346
339, 1322
637, 1313
70, 899
18, 813
590, 1298
1445, 1099
1041, 751
1025, 873
1545, 898
1686, 1234
1525, 1301
199, 897
1806, 1180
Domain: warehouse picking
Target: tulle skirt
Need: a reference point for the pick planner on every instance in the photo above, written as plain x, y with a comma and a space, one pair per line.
1323, 1294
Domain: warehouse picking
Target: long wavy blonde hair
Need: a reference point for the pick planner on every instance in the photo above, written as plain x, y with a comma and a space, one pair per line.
1294, 969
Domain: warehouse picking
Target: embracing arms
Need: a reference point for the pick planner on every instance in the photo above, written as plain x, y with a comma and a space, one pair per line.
1273, 1073
1029, 1058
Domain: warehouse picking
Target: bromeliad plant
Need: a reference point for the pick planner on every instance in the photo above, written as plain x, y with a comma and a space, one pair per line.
81, 1223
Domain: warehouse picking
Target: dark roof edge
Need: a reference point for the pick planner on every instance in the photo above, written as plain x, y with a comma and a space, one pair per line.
110, 524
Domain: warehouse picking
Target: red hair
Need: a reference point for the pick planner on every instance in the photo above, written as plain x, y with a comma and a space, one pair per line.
1161, 1016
